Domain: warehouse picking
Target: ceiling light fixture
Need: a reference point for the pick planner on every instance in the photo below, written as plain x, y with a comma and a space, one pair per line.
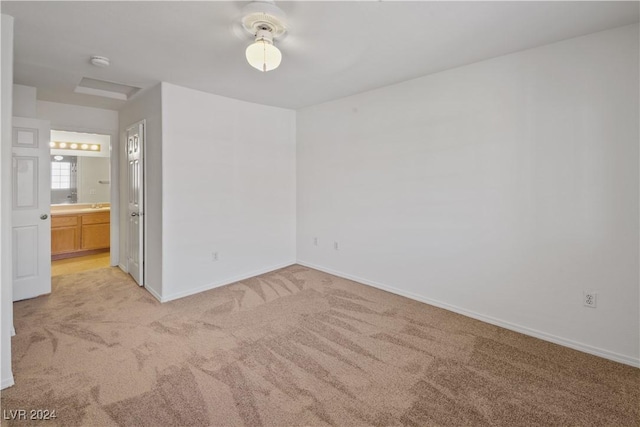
262, 54
265, 22
56, 145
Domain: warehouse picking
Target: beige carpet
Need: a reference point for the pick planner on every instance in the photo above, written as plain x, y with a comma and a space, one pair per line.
294, 347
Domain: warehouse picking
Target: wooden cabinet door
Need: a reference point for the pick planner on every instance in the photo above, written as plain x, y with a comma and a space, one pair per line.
95, 236
64, 240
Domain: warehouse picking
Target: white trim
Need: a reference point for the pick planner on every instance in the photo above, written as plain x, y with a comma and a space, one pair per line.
123, 268
154, 293
226, 281
145, 196
616, 357
13, 331
7, 382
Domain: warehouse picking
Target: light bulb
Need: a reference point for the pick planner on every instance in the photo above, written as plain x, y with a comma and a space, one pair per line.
262, 54
63, 145
95, 147
84, 146
52, 144
74, 146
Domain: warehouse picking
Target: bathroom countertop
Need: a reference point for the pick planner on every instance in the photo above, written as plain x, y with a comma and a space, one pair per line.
77, 209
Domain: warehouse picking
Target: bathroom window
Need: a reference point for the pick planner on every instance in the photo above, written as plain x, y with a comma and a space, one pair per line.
60, 175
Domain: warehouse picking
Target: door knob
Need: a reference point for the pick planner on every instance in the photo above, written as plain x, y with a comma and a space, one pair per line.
134, 214
44, 216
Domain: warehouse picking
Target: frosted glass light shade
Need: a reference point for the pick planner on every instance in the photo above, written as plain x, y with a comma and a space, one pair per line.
263, 55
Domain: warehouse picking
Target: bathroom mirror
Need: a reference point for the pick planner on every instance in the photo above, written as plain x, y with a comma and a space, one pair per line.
80, 166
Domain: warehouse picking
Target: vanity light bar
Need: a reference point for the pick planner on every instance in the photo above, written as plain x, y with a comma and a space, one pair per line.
74, 146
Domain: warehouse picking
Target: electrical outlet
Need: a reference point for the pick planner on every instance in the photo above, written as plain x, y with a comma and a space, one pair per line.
214, 256
315, 241
335, 245
589, 299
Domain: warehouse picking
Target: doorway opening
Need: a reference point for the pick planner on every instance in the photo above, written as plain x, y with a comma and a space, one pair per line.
80, 201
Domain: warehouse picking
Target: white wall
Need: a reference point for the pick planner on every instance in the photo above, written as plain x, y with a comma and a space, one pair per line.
145, 106
6, 282
228, 187
501, 189
24, 101
77, 118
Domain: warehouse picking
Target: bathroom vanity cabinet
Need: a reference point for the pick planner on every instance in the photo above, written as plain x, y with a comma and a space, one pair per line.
77, 233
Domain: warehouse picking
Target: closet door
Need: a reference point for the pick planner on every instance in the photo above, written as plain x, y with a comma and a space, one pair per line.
135, 185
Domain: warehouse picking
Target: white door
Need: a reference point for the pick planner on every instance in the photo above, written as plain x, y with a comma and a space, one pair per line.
135, 185
31, 206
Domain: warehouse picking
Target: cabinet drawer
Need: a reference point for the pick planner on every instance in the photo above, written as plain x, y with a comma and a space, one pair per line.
64, 221
96, 218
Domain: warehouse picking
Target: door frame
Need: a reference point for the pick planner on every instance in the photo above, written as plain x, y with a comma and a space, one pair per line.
114, 171
124, 265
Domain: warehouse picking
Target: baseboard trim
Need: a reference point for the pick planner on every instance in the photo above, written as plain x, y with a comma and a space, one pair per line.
226, 282
606, 354
7, 382
154, 293
13, 331
123, 268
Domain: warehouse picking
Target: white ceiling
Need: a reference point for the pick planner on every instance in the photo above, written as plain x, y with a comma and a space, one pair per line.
333, 49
